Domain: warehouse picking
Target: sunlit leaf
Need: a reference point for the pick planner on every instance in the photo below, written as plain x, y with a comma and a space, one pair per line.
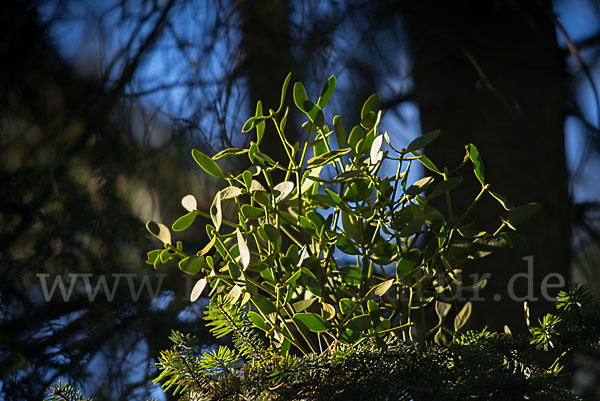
230, 152
257, 320
302, 305
340, 132
462, 317
189, 203
327, 92
230, 192
184, 221
215, 211
243, 247
312, 321
283, 190
159, 230
207, 164
371, 104
197, 290
477, 162
191, 264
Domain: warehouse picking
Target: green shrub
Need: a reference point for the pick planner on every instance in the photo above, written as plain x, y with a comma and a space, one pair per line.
324, 279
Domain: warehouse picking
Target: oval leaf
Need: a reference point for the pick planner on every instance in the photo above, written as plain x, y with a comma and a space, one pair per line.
243, 247
159, 230
477, 162
189, 203
207, 164
184, 222
461, 319
327, 92
446, 186
197, 290
371, 104
312, 321
282, 190
230, 192
523, 213
257, 320
215, 211
423, 140
300, 95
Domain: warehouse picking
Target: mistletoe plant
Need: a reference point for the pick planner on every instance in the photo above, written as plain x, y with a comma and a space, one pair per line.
324, 280
335, 253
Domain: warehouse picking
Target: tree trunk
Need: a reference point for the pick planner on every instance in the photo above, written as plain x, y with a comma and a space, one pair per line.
491, 73
267, 59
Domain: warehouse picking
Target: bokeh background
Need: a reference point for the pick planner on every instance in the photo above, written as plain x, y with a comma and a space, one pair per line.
102, 101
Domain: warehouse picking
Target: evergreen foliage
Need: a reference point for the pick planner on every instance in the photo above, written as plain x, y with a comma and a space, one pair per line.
327, 281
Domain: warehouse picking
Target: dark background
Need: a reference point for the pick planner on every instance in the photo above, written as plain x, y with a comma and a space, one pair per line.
101, 102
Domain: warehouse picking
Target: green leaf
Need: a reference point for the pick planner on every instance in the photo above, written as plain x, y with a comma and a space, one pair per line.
207, 164
312, 322
371, 104
231, 152
243, 247
301, 306
422, 141
310, 281
351, 274
249, 124
314, 113
359, 323
446, 186
340, 132
419, 186
251, 212
300, 95
184, 222
408, 262
477, 162
284, 91
257, 321
352, 226
189, 203
346, 305
503, 200
461, 318
424, 160
344, 245
208, 246
356, 135
264, 305
247, 176
327, 157
327, 92
159, 230
197, 290
191, 264
513, 239
215, 211
260, 127
523, 213
153, 256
